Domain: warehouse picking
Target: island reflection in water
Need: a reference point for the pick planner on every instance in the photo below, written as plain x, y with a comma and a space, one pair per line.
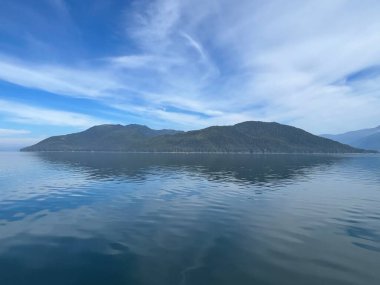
112, 218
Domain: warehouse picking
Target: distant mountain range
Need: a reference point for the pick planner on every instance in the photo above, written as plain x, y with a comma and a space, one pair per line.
366, 138
247, 137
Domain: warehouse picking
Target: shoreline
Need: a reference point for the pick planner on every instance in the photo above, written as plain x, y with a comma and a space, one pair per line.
200, 152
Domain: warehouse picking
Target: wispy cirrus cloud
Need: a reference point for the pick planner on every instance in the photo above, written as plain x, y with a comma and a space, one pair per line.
21, 113
275, 60
58, 79
196, 63
11, 132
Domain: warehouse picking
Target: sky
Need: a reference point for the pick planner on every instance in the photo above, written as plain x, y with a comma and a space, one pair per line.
66, 65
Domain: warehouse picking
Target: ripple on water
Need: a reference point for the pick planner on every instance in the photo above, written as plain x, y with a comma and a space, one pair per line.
189, 219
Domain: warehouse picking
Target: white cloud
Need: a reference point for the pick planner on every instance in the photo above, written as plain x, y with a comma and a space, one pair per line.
284, 57
220, 61
197, 46
22, 113
132, 61
10, 132
154, 23
58, 79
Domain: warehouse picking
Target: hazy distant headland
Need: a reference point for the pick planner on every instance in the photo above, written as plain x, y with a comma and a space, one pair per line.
246, 137
366, 138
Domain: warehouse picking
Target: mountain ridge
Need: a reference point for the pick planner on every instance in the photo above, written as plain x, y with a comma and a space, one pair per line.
245, 137
365, 138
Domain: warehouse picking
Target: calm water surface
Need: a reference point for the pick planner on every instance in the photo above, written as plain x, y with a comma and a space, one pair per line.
108, 218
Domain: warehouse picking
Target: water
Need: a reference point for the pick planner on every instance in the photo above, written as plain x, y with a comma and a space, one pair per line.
109, 218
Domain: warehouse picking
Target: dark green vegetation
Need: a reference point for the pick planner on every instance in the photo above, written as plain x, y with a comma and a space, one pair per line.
366, 138
249, 137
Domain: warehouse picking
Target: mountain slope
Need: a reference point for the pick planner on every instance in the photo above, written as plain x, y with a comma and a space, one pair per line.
366, 138
100, 138
370, 142
253, 137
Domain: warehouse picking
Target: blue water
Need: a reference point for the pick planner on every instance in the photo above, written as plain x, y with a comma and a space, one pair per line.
110, 218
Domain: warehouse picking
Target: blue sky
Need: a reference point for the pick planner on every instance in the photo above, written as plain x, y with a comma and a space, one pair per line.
66, 65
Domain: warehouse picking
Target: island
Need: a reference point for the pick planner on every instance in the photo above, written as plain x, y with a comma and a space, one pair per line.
245, 137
